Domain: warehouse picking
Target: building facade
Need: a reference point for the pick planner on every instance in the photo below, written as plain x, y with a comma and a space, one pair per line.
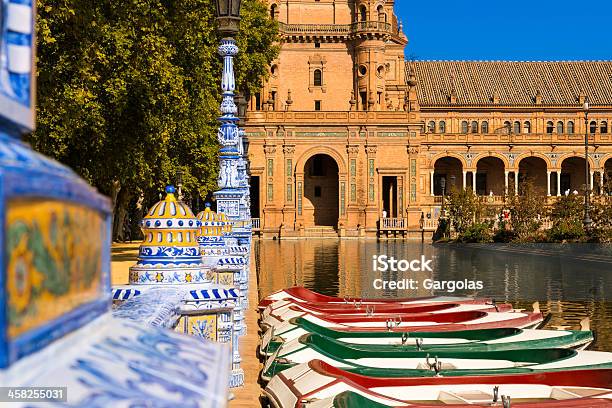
349, 138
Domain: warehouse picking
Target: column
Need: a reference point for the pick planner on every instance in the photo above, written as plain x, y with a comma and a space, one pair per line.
591, 181
464, 185
474, 181
516, 180
559, 183
506, 175
548, 183
431, 182
601, 181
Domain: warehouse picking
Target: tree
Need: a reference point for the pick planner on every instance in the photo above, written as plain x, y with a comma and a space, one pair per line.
526, 212
128, 92
566, 215
465, 209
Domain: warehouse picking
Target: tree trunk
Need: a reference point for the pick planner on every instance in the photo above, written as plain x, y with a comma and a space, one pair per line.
121, 213
115, 188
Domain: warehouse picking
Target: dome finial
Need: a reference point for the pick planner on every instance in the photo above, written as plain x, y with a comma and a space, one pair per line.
170, 189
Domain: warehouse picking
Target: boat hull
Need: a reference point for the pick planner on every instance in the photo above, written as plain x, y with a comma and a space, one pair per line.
396, 362
312, 383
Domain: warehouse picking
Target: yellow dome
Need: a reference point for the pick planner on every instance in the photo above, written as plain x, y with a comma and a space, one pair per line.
170, 208
170, 223
213, 224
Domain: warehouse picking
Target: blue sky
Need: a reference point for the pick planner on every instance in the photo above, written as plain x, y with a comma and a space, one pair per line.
535, 30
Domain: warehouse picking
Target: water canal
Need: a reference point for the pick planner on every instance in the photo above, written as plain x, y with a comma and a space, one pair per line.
570, 283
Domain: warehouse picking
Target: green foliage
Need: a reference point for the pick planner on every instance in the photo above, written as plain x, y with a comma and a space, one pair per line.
601, 213
464, 209
504, 232
128, 91
527, 213
567, 214
477, 232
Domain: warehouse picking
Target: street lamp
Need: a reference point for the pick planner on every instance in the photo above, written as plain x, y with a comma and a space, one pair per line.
228, 17
587, 191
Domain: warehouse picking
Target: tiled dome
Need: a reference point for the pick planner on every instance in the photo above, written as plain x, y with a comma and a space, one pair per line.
170, 251
213, 224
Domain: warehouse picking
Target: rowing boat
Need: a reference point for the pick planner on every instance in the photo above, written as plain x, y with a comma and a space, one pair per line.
272, 317
469, 320
525, 398
320, 385
300, 294
469, 340
395, 362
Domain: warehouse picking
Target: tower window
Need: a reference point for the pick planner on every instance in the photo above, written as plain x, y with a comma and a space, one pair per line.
257, 101
527, 127
273, 11
560, 128
363, 13
464, 127
317, 45
364, 100
549, 127
474, 127
317, 105
431, 127
318, 77
570, 127
508, 127
442, 126
484, 127
603, 128
593, 127
517, 127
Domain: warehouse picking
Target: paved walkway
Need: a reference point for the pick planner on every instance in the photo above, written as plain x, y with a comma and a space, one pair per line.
125, 255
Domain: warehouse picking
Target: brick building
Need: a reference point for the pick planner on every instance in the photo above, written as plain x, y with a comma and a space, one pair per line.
348, 138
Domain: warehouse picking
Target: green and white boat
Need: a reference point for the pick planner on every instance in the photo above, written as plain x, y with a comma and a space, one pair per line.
469, 340
318, 385
384, 361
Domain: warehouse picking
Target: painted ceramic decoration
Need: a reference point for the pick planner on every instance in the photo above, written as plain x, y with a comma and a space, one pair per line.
211, 236
54, 263
127, 364
169, 253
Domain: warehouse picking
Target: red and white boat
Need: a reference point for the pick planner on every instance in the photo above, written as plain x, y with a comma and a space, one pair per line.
469, 320
316, 384
302, 295
272, 316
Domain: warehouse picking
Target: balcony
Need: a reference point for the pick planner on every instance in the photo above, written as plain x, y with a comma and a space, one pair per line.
336, 30
392, 224
255, 224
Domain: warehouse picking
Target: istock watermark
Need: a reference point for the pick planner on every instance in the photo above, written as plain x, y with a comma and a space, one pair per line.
384, 263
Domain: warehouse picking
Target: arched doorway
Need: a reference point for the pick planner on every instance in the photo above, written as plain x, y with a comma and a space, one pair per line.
321, 191
490, 176
450, 169
533, 169
573, 174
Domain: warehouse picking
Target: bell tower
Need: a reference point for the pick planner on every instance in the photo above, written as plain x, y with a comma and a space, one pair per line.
379, 61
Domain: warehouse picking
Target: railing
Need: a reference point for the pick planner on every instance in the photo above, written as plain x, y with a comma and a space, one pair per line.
392, 224
255, 222
430, 224
335, 29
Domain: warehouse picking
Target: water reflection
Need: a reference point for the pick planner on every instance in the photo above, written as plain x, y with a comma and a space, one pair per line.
570, 286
